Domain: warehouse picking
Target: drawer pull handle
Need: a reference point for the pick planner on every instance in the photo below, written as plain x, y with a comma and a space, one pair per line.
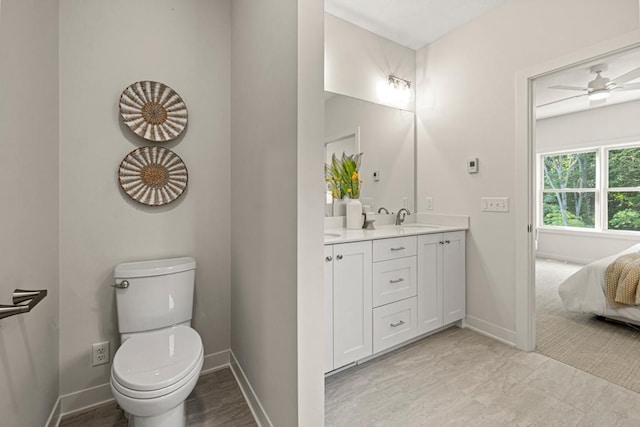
397, 280
329, 258
401, 248
395, 325
339, 257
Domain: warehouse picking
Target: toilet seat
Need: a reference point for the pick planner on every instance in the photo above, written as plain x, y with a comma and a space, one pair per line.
157, 363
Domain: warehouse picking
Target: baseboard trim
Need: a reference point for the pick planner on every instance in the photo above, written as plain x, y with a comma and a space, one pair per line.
81, 400
215, 361
504, 335
94, 396
259, 414
54, 416
556, 257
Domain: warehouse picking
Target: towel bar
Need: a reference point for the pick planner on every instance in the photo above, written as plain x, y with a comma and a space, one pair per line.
21, 296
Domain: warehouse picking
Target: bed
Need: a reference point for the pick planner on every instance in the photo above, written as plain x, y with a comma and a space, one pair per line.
584, 291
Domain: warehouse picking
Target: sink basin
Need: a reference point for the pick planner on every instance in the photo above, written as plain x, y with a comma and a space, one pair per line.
419, 226
331, 235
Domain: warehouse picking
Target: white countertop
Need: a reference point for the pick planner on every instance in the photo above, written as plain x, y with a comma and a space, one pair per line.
342, 235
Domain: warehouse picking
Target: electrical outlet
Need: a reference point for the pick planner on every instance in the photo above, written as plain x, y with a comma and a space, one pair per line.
429, 203
100, 353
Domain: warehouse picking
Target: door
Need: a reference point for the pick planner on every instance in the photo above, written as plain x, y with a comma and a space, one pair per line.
328, 308
352, 302
454, 276
430, 294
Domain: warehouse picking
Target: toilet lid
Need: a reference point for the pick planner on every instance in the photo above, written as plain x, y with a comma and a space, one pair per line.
157, 359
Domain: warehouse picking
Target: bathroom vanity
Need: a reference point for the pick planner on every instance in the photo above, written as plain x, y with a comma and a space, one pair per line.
385, 287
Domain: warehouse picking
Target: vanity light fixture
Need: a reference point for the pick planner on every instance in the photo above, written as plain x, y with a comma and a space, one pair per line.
395, 91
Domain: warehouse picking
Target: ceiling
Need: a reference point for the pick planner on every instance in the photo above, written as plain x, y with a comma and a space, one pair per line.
617, 65
411, 23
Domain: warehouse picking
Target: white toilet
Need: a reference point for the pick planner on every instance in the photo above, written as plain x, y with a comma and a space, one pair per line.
161, 356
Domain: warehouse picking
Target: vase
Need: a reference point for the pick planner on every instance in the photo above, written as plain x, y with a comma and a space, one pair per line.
339, 207
354, 214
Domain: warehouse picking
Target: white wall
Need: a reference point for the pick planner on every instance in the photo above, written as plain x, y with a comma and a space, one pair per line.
466, 108
387, 141
29, 214
609, 125
357, 61
104, 47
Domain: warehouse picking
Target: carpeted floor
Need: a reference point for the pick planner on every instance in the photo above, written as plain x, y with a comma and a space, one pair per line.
606, 349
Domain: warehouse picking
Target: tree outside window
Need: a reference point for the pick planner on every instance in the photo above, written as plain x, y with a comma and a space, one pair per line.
571, 189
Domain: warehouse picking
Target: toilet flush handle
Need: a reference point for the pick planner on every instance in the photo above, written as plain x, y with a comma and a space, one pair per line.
122, 285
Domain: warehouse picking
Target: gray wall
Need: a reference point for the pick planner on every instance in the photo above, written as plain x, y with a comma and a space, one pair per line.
466, 108
29, 214
269, 97
104, 47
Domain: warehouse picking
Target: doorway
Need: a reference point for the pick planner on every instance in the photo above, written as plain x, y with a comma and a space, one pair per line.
526, 161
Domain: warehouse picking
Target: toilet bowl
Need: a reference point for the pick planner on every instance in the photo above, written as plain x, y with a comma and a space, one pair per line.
161, 356
153, 373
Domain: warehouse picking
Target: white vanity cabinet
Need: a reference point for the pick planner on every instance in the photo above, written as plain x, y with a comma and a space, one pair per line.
348, 274
441, 280
383, 291
394, 292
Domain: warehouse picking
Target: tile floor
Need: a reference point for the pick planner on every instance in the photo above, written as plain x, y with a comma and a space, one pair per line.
453, 378
460, 378
216, 401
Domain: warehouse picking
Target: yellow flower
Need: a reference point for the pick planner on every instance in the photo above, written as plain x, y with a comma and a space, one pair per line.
348, 190
355, 175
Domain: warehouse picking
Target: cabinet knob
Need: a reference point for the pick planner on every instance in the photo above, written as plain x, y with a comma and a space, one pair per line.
447, 241
339, 257
329, 258
441, 242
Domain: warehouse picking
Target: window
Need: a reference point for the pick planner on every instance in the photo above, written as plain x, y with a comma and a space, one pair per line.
596, 189
623, 189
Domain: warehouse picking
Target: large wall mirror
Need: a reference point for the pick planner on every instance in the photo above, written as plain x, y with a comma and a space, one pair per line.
386, 137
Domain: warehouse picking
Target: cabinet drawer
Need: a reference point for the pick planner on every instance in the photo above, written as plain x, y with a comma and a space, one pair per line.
394, 323
398, 247
394, 280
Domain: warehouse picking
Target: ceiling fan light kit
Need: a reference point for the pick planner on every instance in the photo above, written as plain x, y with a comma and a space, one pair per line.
599, 89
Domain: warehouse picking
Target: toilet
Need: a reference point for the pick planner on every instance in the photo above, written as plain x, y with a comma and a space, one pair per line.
160, 357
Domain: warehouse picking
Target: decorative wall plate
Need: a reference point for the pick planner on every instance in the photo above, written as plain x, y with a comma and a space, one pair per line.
153, 110
153, 176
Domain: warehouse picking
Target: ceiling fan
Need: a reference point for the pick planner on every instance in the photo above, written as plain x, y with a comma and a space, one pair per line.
599, 89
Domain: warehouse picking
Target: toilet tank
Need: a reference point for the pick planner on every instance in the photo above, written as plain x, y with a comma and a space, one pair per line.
160, 294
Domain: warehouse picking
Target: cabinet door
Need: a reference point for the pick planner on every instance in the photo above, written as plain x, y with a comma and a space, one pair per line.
430, 308
454, 276
328, 308
352, 302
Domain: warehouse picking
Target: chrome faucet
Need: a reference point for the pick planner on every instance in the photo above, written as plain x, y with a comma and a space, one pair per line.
399, 218
382, 208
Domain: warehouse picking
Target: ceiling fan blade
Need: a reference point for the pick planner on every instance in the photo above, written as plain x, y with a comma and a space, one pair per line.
561, 100
565, 87
630, 86
627, 77
597, 102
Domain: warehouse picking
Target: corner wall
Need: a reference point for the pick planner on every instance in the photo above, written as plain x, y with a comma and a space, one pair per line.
357, 61
29, 215
104, 47
466, 108
276, 228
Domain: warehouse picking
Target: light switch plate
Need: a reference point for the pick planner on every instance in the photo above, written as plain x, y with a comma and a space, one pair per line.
494, 204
